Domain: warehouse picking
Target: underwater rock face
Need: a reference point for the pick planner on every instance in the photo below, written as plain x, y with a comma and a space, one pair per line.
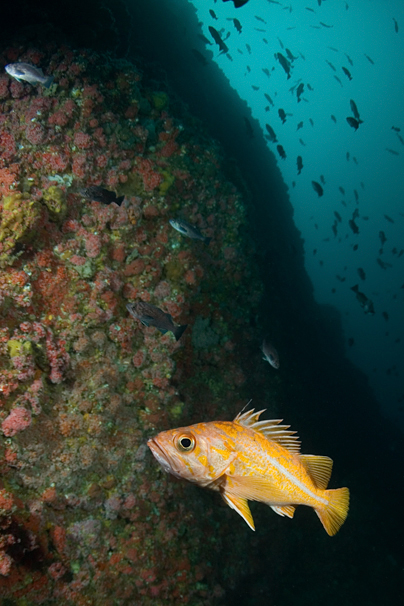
86, 514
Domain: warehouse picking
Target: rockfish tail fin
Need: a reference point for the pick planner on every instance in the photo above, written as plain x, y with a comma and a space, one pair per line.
48, 81
333, 515
178, 331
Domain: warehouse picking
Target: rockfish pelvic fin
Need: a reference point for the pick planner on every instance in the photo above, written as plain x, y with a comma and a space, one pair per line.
241, 506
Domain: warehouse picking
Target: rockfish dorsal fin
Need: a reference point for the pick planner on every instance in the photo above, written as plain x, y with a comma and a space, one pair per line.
270, 429
319, 469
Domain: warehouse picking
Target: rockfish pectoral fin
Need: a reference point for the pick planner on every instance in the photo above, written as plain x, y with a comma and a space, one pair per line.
241, 506
333, 515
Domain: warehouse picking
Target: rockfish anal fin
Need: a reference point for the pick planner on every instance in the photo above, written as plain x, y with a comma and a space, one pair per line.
286, 510
319, 469
241, 506
333, 515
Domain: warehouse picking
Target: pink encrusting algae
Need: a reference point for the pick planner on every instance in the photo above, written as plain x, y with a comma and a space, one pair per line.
84, 511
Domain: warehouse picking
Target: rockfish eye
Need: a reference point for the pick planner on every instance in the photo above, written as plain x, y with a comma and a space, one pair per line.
186, 442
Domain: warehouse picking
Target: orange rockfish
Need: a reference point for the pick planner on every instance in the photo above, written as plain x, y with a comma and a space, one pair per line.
251, 460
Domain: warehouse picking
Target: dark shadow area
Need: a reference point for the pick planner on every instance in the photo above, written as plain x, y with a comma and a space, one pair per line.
326, 398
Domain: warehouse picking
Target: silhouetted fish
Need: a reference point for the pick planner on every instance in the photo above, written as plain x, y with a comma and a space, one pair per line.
361, 273
284, 63
271, 133
282, 115
353, 226
299, 91
317, 188
347, 72
364, 302
389, 219
237, 3
355, 111
395, 26
353, 122
217, 38
333, 118
369, 59
281, 152
299, 163
299, 126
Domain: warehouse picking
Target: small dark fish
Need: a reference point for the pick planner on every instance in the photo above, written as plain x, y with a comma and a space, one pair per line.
385, 315
299, 91
299, 162
349, 60
309, 86
382, 237
212, 14
355, 111
99, 194
28, 73
396, 129
353, 226
317, 188
248, 47
237, 25
271, 133
248, 68
361, 273
217, 38
149, 315
260, 19
268, 98
334, 228
369, 59
338, 216
389, 219
331, 65
311, 121
333, 49
266, 71
353, 122
282, 115
186, 229
364, 302
400, 139
322, 179
270, 353
355, 160
356, 195
340, 278
310, 9
237, 3
355, 247
333, 118
260, 29
342, 190
284, 63
281, 152
383, 264
347, 156
255, 87
265, 41
299, 126
281, 43
302, 142
325, 25
392, 151
347, 72
395, 26
338, 80
290, 55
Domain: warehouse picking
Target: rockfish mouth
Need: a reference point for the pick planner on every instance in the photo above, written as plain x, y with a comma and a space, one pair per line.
161, 456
